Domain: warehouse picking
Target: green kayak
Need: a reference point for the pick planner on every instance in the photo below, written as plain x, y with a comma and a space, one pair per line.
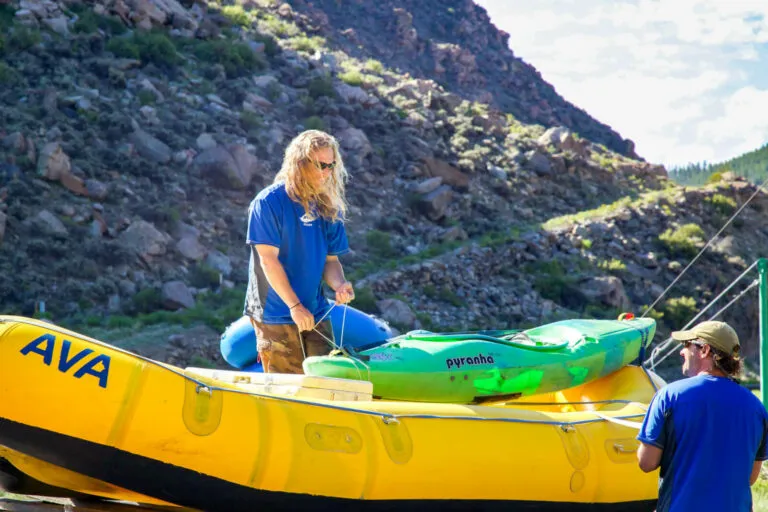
483, 366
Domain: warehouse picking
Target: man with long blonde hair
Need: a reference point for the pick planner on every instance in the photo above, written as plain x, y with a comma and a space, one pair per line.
296, 234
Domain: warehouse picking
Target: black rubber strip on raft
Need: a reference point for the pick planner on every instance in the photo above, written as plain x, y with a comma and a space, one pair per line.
191, 489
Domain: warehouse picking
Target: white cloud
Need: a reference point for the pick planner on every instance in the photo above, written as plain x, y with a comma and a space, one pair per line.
669, 74
743, 124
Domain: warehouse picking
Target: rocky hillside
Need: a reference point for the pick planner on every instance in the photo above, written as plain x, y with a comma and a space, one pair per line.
455, 44
135, 133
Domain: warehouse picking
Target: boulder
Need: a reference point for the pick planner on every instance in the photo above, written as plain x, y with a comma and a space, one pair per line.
145, 239
396, 312
176, 295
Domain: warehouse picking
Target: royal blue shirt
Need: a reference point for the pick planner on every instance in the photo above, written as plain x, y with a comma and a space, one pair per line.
305, 241
711, 431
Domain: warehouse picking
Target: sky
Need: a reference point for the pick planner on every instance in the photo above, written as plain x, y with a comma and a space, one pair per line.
686, 80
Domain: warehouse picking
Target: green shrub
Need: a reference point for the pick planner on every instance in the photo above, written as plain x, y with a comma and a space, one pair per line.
380, 243
678, 311
250, 121
306, 44
314, 123
124, 47
238, 59
22, 38
236, 15
147, 46
551, 281
450, 297
7, 16
373, 66
92, 320
365, 300
321, 86
682, 241
353, 77
271, 48
146, 97
612, 265
204, 276
8, 75
119, 321
723, 205
279, 27
147, 300
158, 317
715, 177
155, 47
426, 321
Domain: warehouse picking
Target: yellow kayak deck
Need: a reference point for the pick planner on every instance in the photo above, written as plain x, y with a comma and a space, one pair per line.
80, 414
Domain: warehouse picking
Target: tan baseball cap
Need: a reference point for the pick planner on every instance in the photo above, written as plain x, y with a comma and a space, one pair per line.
716, 334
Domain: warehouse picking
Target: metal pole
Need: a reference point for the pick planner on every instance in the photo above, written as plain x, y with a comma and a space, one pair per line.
762, 268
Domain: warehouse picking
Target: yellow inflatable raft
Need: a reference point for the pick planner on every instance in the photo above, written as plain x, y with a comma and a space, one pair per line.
79, 414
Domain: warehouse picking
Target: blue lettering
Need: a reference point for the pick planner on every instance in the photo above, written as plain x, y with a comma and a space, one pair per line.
64, 363
45, 345
47, 352
90, 369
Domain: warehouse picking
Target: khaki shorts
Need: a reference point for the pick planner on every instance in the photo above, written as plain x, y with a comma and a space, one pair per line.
280, 347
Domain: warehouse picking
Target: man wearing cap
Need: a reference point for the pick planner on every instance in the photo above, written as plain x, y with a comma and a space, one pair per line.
707, 433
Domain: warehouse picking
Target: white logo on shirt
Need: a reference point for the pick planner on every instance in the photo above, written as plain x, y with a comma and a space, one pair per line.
308, 219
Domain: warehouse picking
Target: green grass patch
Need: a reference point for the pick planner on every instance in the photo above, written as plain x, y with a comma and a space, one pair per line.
645, 199
612, 265
201, 362
214, 309
760, 493
304, 43
682, 241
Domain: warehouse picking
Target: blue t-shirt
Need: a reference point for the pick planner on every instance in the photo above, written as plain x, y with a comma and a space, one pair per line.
711, 431
305, 241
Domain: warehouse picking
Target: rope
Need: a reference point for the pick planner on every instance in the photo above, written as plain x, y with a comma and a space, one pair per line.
669, 341
704, 248
340, 346
326, 338
712, 303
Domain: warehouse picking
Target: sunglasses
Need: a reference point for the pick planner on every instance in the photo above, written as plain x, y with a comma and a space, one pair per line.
687, 344
329, 166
